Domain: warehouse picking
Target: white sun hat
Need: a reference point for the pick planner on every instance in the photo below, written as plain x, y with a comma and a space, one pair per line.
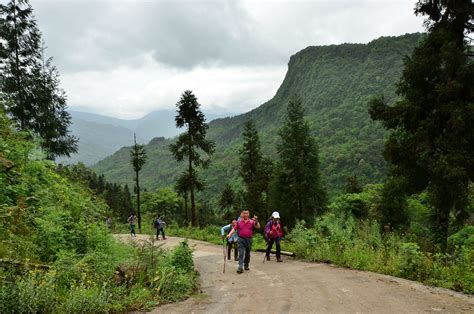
276, 215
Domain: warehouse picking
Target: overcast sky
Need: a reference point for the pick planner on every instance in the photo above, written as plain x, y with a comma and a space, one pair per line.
125, 58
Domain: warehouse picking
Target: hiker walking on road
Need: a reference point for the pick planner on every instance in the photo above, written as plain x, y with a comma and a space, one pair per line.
273, 234
232, 241
159, 225
244, 227
131, 220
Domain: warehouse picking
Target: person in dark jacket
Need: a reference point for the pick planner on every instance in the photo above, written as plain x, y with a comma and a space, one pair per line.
273, 234
159, 225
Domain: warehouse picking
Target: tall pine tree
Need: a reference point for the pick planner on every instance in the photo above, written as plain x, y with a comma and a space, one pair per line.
255, 171
138, 159
298, 181
190, 144
431, 144
52, 120
30, 83
20, 54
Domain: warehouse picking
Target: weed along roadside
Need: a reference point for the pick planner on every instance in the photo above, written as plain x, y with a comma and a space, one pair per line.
301, 287
362, 247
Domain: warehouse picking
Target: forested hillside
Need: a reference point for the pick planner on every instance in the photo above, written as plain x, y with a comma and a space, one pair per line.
100, 136
335, 83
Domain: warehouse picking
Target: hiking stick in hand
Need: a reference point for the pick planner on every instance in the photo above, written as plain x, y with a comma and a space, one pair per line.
265, 254
223, 246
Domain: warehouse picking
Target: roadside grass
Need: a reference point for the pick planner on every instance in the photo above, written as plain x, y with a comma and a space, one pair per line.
120, 278
354, 244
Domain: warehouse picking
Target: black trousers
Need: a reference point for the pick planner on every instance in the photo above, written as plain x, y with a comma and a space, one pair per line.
277, 244
231, 245
158, 230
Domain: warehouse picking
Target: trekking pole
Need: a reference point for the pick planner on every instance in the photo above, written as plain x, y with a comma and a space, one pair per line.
265, 254
223, 247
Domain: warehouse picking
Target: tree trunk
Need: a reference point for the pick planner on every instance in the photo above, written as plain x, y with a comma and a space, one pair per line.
191, 186
186, 216
19, 95
138, 202
300, 208
444, 203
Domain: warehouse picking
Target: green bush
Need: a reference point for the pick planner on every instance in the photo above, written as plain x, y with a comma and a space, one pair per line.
345, 241
182, 258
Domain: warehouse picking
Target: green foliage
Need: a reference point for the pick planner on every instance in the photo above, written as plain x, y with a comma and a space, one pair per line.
393, 207
352, 185
182, 258
138, 158
430, 143
58, 256
30, 84
117, 197
229, 203
344, 241
255, 171
189, 144
299, 193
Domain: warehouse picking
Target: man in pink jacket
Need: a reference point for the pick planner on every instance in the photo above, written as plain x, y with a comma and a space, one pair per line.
244, 228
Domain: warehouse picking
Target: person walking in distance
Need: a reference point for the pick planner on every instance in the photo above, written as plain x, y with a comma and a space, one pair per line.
244, 228
132, 220
159, 225
232, 241
273, 234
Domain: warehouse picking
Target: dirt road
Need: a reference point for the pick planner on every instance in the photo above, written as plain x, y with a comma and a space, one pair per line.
299, 287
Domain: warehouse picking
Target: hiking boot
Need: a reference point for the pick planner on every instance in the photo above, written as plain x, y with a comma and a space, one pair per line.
279, 260
268, 257
165, 238
240, 270
246, 268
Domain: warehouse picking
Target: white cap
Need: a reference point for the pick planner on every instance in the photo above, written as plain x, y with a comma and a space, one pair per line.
276, 215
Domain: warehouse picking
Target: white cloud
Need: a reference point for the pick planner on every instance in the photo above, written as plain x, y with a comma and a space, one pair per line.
131, 92
128, 57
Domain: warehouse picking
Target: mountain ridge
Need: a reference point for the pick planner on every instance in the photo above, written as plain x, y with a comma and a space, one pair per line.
335, 83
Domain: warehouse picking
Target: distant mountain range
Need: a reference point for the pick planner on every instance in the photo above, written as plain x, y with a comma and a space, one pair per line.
336, 83
100, 135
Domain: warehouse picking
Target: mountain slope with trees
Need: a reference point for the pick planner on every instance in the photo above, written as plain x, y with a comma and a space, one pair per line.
335, 84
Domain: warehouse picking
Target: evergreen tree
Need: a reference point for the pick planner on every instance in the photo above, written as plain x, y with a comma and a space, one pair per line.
255, 170
20, 54
227, 202
52, 120
393, 207
138, 158
127, 206
299, 184
227, 197
352, 185
181, 189
31, 83
431, 144
191, 143
101, 184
